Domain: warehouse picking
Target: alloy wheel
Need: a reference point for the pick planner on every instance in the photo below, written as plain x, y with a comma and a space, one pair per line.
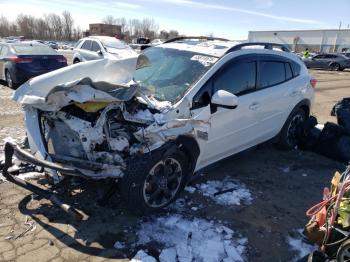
294, 129
162, 183
9, 79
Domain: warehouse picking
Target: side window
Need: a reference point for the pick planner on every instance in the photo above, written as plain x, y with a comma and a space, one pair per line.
319, 57
289, 73
95, 46
86, 45
271, 73
295, 68
238, 78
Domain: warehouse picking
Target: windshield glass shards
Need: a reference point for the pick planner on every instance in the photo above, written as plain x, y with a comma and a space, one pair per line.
172, 72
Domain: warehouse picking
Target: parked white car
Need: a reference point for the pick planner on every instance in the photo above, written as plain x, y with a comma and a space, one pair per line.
154, 120
100, 47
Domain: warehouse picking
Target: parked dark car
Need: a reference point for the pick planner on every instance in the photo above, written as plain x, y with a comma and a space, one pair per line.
21, 61
335, 62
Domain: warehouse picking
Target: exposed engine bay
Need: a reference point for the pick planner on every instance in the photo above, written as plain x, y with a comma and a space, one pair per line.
94, 125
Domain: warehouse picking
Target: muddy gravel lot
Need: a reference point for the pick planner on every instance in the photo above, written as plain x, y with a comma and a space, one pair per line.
258, 221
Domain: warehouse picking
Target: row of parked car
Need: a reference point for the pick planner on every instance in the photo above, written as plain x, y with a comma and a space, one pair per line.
22, 60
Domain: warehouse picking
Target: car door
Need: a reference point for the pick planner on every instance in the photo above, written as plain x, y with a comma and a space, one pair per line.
96, 51
319, 61
231, 130
85, 50
275, 95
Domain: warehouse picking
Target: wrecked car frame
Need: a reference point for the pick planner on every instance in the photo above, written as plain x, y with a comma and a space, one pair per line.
134, 119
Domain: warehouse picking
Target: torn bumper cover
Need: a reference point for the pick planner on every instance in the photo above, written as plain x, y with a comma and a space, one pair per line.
11, 149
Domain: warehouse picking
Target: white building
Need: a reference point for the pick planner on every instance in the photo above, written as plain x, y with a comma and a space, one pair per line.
327, 40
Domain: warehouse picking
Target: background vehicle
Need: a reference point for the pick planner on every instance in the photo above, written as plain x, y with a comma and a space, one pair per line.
52, 44
99, 47
21, 61
335, 62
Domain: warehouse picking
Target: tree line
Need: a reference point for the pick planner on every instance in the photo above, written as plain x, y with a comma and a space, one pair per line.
49, 27
61, 27
134, 28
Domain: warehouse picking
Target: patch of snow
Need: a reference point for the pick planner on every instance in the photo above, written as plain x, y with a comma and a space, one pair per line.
119, 245
30, 175
238, 192
190, 189
142, 256
168, 255
192, 239
297, 243
285, 169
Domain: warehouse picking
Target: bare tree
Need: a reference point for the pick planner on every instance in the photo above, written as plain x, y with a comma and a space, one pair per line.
26, 25
4, 26
55, 25
68, 22
110, 20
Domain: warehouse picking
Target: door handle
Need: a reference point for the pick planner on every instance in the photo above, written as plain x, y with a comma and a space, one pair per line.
254, 106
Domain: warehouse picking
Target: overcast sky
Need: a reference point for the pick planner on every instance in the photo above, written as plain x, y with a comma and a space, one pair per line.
225, 18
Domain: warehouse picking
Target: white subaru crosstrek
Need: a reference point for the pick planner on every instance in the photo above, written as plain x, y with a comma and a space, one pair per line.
153, 120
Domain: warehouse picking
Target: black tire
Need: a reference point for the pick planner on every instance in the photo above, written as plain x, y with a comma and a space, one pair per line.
288, 137
145, 177
343, 253
76, 61
9, 80
334, 67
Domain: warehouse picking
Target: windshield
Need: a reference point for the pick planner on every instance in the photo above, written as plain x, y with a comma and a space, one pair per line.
113, 43
33, 50
172, 72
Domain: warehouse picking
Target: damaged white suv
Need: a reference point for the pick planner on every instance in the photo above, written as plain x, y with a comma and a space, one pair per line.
151, 121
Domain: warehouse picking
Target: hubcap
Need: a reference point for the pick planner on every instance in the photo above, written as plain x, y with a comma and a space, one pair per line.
162, 183
8, 79
335, 67
293, 130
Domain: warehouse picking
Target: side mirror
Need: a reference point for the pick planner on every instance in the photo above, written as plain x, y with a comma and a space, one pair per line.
99, 52
224, 99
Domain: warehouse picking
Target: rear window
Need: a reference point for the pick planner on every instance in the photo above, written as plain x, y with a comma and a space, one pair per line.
33, 50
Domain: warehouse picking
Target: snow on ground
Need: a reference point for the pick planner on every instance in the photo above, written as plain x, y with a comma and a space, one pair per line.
236, 195
192, 239
298, 244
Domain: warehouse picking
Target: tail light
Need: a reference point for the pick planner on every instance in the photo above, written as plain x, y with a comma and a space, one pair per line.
313, 82
61, 59
21, 60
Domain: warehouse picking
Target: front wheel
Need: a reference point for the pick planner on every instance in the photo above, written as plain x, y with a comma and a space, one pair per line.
291, 130
153, 181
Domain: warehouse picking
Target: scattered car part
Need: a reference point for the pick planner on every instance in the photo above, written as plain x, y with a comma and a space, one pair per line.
10, 149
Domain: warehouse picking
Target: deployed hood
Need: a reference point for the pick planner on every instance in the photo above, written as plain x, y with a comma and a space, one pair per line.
100, 80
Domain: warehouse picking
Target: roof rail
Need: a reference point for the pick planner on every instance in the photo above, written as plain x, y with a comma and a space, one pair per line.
194, 37
264, 44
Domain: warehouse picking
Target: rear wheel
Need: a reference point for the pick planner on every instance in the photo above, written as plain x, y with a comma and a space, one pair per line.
154, 181
76, 61
335, 67
291, 130
9, 80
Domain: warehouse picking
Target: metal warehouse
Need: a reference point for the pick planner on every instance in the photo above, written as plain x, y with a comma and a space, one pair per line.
327, 40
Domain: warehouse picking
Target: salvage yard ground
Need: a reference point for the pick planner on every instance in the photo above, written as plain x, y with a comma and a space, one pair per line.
253, 223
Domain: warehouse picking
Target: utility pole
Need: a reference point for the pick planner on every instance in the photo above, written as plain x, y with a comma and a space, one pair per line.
340, 25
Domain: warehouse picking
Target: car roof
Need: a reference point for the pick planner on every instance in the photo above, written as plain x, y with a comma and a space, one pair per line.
215, 48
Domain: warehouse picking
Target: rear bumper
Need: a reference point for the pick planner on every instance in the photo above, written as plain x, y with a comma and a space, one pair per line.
21, 75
